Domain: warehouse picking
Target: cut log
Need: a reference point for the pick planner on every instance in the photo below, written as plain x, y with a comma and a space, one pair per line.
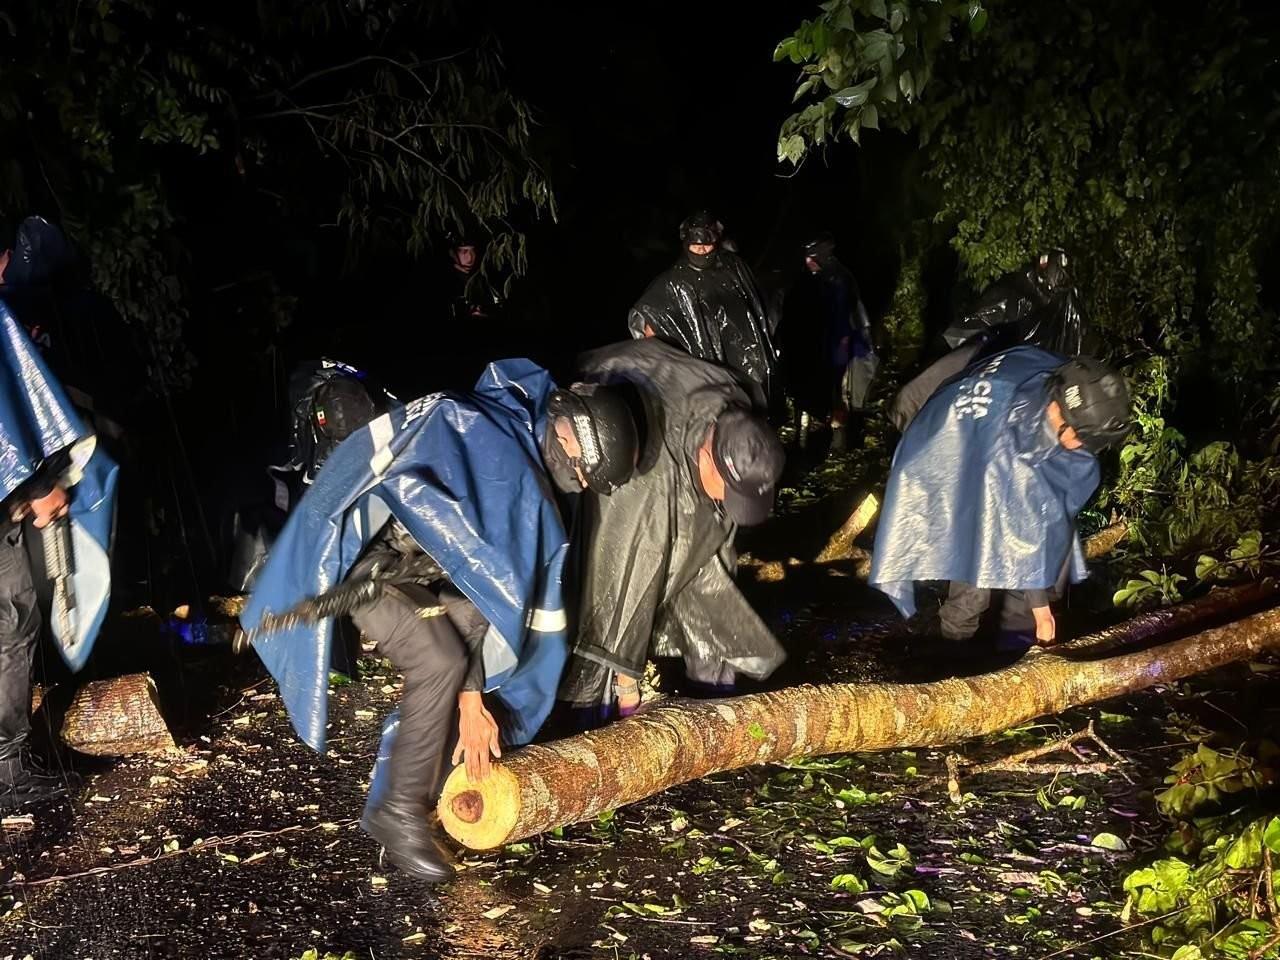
117, 717
542, 787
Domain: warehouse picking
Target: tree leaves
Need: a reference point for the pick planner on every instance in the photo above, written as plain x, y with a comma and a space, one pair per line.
867, 65
854, 96
393, 141
1204, 777
848, 883
1109, 841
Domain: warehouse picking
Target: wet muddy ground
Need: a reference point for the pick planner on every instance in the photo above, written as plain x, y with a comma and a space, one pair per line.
245, 844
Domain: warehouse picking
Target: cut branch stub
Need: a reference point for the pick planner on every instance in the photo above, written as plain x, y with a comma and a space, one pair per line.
841, 543
1106, 540
117, 717
544, 786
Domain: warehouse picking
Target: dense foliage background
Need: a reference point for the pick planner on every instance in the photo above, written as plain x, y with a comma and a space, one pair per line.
1140, 138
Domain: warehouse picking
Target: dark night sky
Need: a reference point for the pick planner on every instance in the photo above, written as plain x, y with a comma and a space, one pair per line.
667, 108
663, 109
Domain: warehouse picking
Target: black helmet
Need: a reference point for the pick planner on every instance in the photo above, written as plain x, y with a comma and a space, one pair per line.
330, 403
701, 227
1051, 270
1094, 400
605, 429
41, 254
821, 247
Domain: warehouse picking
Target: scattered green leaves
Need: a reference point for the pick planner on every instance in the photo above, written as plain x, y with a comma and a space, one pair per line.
848, 883
892, 863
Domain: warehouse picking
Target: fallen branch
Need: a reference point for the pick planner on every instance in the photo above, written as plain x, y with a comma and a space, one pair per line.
839, 547
841, 543
211, 843
1021, 762
542, 787
1106, 540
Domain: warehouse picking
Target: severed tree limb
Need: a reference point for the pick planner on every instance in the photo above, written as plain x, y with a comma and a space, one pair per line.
541, 787
1106, 539
838, 547
841, 542
1021, 762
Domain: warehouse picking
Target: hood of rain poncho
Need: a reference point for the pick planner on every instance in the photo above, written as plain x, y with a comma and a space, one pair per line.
1027, 311
714, 314
463, 474
37, 420
657, 555
981, 491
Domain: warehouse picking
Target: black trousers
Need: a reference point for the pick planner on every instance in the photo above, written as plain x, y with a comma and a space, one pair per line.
432, 656
19, 631
965, 605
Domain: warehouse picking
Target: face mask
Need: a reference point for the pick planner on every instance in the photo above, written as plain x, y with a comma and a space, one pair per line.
700, 261
559, 466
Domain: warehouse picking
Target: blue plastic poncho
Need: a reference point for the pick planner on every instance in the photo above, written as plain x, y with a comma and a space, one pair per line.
37, 420
981, 491
464, 475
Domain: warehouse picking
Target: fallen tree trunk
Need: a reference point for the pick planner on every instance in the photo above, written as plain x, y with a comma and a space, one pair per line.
117, 717
542, 787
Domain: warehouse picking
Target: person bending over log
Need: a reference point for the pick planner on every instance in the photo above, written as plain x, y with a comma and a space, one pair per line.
1039, 307
444, 509
658, 557
986, 485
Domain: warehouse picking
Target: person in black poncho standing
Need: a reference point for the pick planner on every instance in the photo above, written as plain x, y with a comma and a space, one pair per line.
707, 304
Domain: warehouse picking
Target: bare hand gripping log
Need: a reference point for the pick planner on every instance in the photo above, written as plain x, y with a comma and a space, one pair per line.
542, 787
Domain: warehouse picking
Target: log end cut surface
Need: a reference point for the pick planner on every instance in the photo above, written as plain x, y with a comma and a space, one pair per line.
480, 815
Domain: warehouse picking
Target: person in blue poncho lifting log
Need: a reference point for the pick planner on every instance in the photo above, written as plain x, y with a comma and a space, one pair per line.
986, 485
436, 527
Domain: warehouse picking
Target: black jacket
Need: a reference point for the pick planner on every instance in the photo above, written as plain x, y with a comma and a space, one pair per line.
657, 555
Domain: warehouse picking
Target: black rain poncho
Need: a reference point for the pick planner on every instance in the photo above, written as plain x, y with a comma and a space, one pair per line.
713, 313
656, 558
1031, 310
1019, 308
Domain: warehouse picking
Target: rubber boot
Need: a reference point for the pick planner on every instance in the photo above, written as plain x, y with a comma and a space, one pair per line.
24, 783
401, 826
839, 438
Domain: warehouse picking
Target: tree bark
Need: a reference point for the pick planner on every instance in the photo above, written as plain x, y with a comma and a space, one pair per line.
542, 787
1106, 539
841, 542
117, 717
